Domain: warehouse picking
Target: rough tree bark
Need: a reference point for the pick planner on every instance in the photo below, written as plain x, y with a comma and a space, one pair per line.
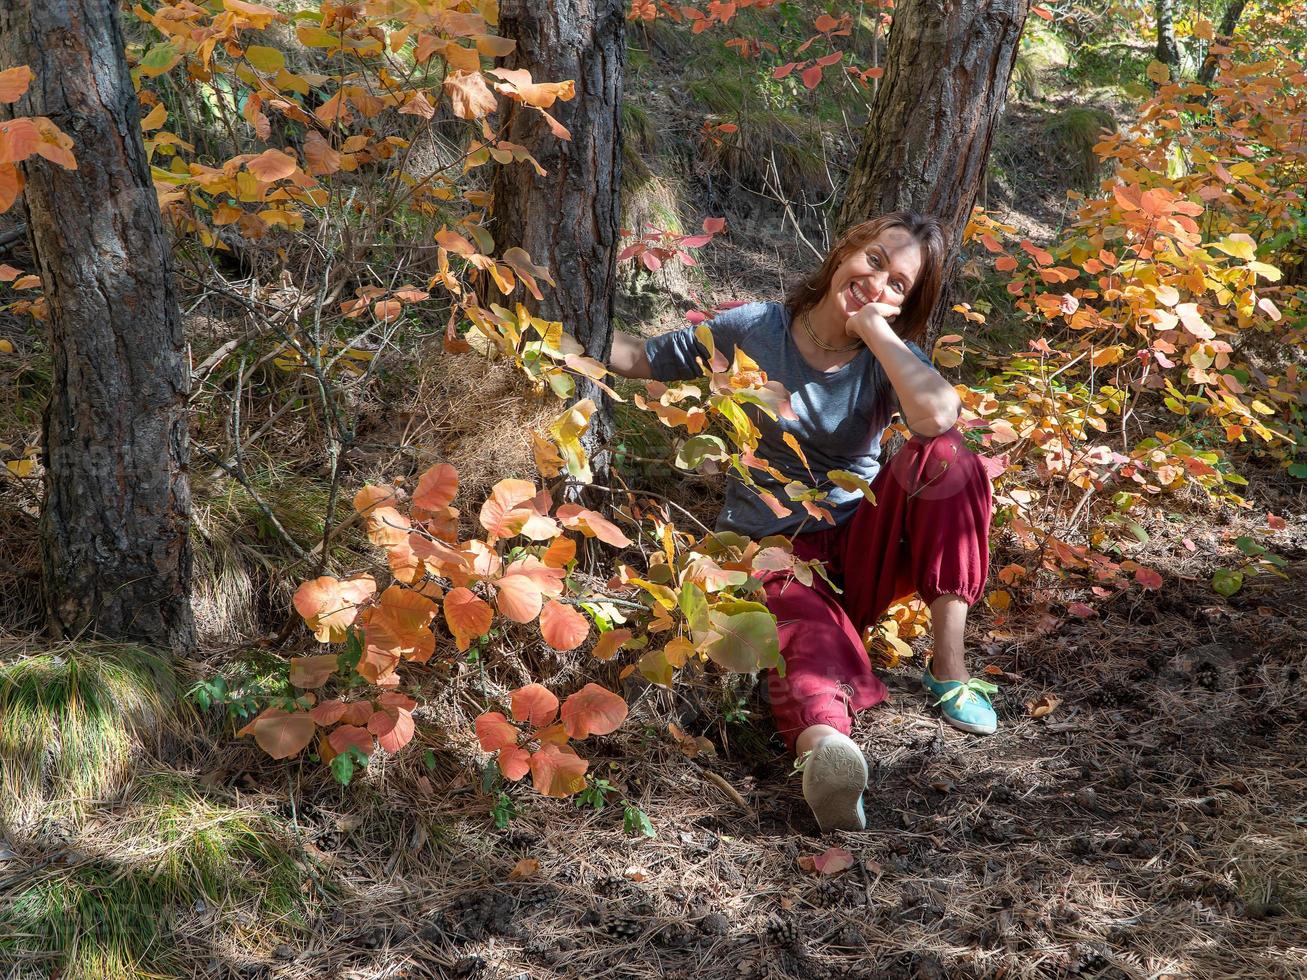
928, 136
1168, 49
116, 556
569, 219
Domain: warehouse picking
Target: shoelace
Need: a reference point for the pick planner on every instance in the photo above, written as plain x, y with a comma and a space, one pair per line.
973, 687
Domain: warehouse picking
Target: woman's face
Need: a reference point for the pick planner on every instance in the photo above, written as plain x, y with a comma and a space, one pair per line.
882, 271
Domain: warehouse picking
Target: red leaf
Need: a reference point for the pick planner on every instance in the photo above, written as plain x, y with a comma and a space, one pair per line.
811, 77
328, 712
494, 731
393, 727
593, 710
343, 737
562, 626
514, 762
1148, 578
715, 226
832, 861
535, 704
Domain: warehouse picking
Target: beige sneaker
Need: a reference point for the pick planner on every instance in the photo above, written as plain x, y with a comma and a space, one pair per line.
834, 776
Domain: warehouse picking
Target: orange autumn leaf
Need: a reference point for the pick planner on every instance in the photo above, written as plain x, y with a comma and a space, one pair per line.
467, 615
593, 710
518, 597
343, 737
271, 165
19, 139
328, 712
574, 517
517, 84
329, 605
371, 497
11, 184
562, 626
557, 771
560, 551
437, 487
399, 623
14, 82
320, 157
281, 733
514, 762
610, 643
469, 95
311, 672
535, 704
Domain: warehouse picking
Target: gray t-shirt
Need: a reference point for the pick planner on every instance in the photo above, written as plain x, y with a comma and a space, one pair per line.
841, 415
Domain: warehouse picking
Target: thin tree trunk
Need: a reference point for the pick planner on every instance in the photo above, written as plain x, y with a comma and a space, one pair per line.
115, 551
1168, 49
1229, 21
569, 219
932, 121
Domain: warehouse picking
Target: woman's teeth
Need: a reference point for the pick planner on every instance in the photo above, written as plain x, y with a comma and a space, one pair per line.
859, 296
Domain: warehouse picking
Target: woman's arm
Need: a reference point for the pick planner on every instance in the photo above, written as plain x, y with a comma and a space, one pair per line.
628, 356
929, 403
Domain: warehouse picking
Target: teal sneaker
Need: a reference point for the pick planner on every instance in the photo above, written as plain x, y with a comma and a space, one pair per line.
964, 705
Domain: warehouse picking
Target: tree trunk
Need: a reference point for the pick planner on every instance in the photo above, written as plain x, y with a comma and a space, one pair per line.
927, 140
116, 556
1168, 50
1229, 21
569, 219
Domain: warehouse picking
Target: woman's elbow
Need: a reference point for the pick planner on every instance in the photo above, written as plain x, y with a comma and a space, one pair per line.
939, 421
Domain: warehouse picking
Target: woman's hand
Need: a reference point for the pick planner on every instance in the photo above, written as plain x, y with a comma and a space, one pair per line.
870, 321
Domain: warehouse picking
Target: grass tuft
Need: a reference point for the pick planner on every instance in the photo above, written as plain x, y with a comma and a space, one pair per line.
71, 718
1073, 133
127, 901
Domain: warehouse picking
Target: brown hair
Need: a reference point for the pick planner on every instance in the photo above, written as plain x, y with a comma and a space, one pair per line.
911, 322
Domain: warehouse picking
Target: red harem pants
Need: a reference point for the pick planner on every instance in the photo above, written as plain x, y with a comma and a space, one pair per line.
927, 532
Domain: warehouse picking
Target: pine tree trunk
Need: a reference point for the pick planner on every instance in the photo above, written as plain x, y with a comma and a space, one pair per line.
116, 556
569, 219
1168, 50
928, 136
1229, 21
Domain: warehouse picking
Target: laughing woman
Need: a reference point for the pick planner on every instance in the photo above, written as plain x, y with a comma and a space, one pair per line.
842, 344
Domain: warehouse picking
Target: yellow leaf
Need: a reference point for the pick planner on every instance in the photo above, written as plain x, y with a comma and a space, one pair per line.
566, 431
155, 118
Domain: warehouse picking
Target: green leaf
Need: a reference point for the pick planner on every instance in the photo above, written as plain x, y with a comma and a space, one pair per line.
746, 641
698, 449
1249, 547
694, 604
159, 59
634, 820
342, 766
1227, 581
265, 59
1299, 470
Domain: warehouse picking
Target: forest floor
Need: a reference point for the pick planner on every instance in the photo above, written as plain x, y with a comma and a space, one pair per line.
1152, 824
